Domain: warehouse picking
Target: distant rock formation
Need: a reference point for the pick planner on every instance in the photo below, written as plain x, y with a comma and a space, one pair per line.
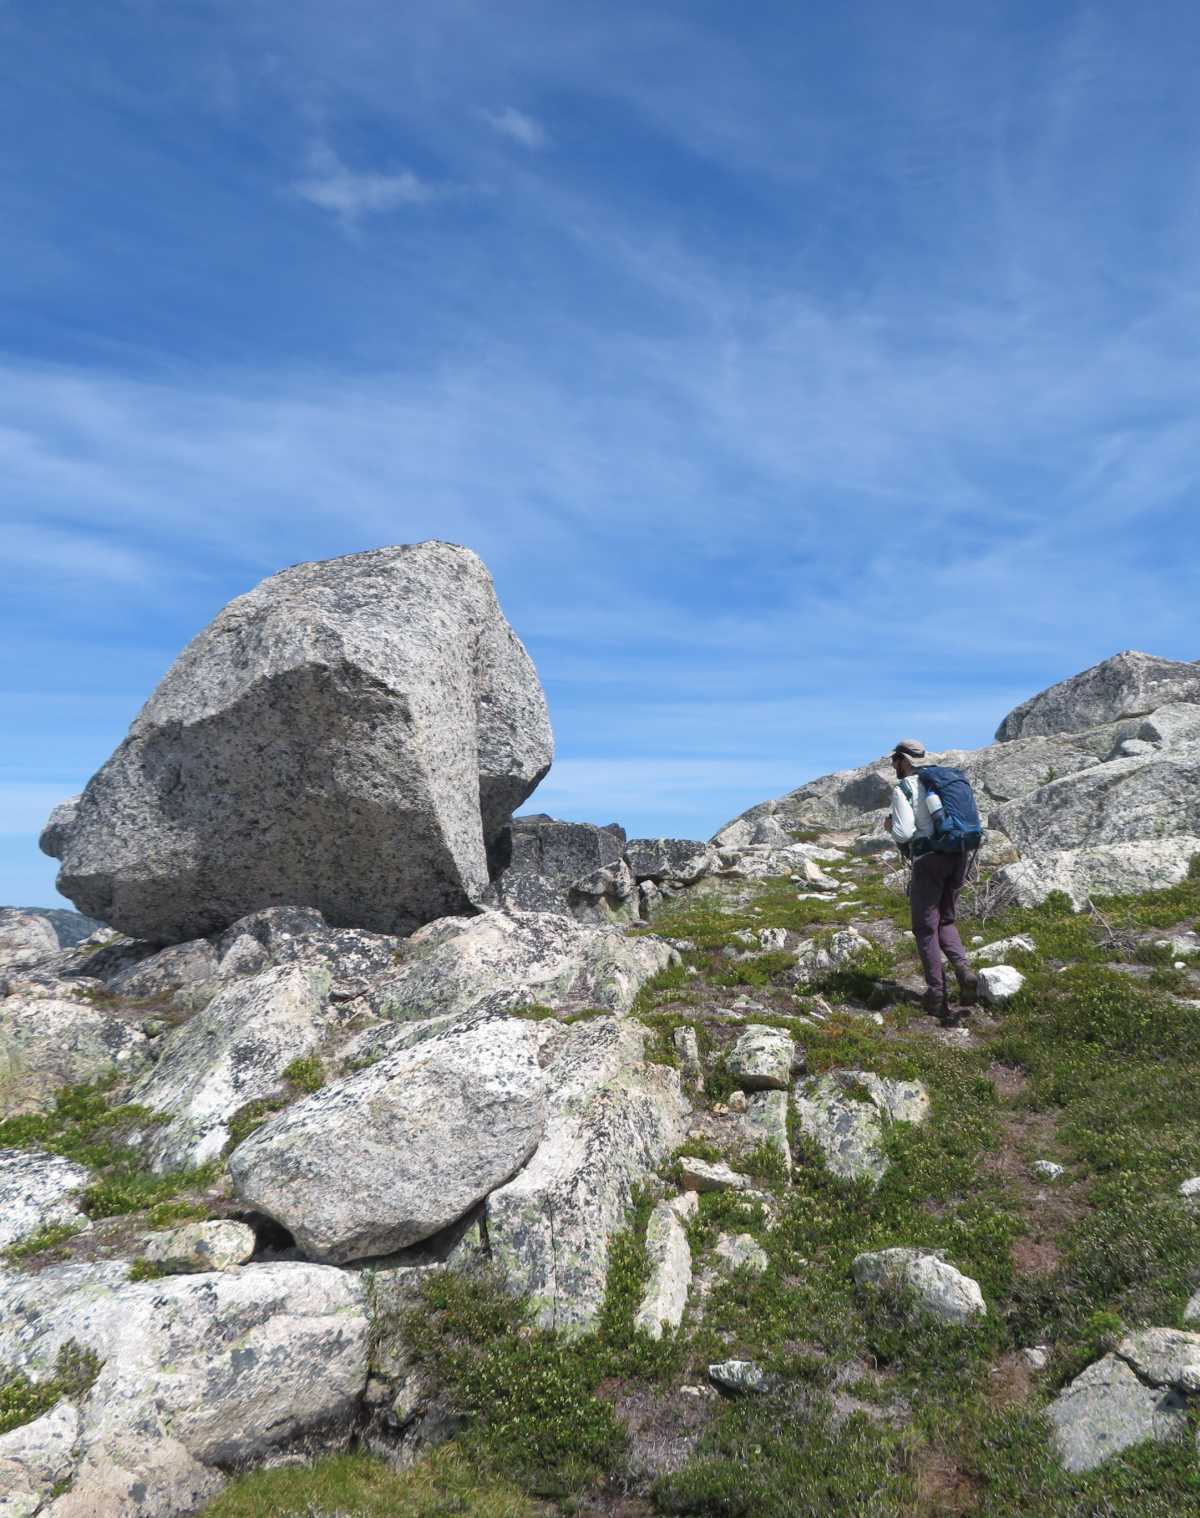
1092, 789
351, 735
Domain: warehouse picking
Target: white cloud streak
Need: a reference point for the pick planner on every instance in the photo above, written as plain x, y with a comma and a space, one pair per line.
516, 126
352, 194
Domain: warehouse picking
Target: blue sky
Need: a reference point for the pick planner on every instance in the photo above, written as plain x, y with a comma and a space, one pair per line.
806, 375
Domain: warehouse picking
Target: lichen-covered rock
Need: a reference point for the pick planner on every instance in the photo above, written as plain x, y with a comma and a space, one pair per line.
737, 1251
24, 939
48, 1041
994, 953
1110, 869
670, 1258
765, 1121
845, 1111
1108, 1408
687, 1046
500, 961
1143, 799
37, 1191
937, 1287
1127, 685
819, 956
351, 735
35, 1457
541, 859
612, 1117
762, 1059
710, 1175
738, 1377
232, 1053
198, 1373
217, 1245
388, 1156
1164, 1357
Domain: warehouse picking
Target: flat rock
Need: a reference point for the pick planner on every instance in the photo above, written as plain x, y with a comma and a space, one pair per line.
710, 1175
35, 1457
352, 735
687, 1046
762, 1059
436, 1128
819, 956
765, 1121
994, 953
49, 1041
1143, 799
681, 860
670, 1258
937, 1287
197, 1373
1165, 1357
542, 859
217, 1245
500, 961
1111, 869
845, 1113
612, 1118
233, 1052
1129, 684
998, 984
1107, 1409
37, 1191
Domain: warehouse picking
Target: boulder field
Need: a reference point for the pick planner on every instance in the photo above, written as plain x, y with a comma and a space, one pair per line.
374, 1030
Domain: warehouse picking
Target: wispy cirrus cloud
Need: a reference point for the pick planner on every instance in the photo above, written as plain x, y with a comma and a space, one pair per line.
351, 194
516, 126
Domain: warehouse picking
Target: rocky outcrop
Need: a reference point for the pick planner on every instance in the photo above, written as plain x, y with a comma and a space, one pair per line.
198, 1374
48, 1041
1128, 685
24, 939
546, 865
231, 1054
936, 1287
1139, 1392
611, 1119
504, 960
1113, 869
670, 1258
37, 1191
435, 1128
220, 1244
352, 735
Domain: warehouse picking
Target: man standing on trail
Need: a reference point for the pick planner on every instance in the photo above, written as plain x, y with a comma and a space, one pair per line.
936, 881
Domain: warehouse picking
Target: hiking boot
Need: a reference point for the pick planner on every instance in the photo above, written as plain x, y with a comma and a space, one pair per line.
968, 987
935, 1003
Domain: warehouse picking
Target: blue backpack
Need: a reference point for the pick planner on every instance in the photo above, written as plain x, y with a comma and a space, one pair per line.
957, 828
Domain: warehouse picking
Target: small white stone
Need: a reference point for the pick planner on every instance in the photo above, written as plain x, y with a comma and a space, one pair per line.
737, 1102
705, 1175
998, 984
1048, 1170
976, 937
1036, 1356
877, 1017
1190, 1189
1179, 965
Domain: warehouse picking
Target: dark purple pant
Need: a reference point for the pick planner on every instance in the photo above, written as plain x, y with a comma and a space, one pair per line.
936, 882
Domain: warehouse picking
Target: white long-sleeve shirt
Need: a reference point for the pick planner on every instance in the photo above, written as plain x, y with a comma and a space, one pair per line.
909, 821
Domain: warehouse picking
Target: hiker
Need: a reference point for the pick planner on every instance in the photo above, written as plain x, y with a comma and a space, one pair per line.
917, 825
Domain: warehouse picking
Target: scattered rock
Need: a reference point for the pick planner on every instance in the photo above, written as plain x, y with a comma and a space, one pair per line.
436, 1128
217, 1245
998, 984
844, 1113
710, 1175
351, 735
766, 1122
231, 1054
1189, 1190
938, 1288
678, 860
1036, 1356
1164, 1357
821, 955
1191, 1313
993, 953
763, 1059
687, 1046
1048, 1170
737, 1250
37, 1191
738, 1377
1106, 1409
544, 863
670, 1259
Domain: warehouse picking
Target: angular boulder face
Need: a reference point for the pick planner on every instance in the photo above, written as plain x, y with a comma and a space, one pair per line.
393, 1154
351, 735
1130, 684
543, 859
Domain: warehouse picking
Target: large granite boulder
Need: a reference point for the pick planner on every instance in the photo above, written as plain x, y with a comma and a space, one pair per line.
393, 1154
231, 1054
25, 939
612, 1118
1138, 1393
1129, 684
351, 735
198, 1374
499, 961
